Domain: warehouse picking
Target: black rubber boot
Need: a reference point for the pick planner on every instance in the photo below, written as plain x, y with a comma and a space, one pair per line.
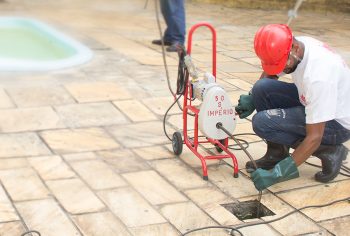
275, 153
331, 158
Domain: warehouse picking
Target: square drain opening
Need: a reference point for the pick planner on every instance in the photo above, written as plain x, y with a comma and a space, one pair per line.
248, 209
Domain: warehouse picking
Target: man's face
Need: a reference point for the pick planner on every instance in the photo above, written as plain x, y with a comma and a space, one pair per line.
292, 62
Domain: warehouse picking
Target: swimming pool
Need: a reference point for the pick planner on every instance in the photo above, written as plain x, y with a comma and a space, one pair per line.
29, 45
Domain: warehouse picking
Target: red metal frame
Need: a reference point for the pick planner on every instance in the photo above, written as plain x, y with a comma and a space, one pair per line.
193, 144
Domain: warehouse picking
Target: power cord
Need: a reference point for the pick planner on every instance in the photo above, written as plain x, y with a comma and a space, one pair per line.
236, 229
165, 115
31, 233
347, 169
244, 143
343, 168
164, 56
163, 50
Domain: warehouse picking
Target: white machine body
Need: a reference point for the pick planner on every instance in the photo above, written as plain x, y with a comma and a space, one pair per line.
216, 107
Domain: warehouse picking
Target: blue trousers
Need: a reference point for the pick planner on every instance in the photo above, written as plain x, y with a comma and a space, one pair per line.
173, 12
280, 117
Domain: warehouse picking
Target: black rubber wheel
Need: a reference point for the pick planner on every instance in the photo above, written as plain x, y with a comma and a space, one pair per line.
235, 175
177, 143
222, 141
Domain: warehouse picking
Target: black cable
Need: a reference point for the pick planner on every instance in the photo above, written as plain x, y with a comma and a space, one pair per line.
236, 229
31, 232
166, 114
346, 175
346, 168
343, 168
241, 134
314, 165
28, 231
243, 142
213, 227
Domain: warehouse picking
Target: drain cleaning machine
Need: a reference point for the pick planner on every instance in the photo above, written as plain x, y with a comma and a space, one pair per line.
215, 108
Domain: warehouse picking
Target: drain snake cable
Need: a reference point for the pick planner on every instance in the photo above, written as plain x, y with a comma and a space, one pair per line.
219, 126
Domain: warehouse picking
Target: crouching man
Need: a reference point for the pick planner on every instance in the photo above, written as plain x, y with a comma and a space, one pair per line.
311, 115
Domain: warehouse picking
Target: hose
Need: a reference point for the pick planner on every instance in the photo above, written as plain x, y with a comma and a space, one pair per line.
163, 49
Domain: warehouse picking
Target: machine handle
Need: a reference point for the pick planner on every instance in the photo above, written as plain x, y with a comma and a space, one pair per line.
213, 32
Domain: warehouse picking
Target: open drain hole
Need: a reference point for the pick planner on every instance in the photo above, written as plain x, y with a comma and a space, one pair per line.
248, 209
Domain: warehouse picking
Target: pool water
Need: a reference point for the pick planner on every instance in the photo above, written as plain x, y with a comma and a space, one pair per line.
22, 43
30, 45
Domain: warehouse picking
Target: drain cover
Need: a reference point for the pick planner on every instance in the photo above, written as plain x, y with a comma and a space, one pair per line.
248, 210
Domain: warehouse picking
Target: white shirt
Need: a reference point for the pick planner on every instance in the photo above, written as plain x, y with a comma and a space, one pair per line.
323, 82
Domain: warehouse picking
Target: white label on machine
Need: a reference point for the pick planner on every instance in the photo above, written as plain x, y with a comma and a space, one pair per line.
216, 107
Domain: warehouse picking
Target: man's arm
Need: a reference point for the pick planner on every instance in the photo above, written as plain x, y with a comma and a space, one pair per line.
314, 134
245, 105
287, 168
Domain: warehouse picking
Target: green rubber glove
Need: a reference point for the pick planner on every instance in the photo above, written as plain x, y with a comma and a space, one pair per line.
245, 106
283, 171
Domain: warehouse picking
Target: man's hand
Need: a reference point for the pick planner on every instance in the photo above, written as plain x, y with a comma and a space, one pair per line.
284, 170
245, 106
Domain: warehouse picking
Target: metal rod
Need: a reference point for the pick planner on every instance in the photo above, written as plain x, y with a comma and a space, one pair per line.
146, 3
293, 13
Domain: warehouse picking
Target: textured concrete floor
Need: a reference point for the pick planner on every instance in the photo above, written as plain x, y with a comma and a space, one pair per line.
82, 150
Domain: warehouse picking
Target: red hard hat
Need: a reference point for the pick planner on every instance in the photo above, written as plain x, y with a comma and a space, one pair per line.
272, 44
